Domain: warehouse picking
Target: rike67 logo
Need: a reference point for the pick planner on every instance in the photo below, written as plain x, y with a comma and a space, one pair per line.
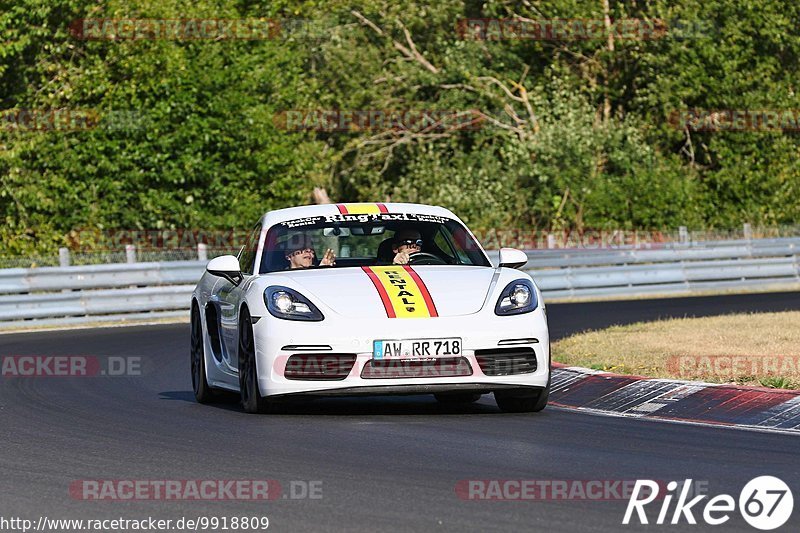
765, 503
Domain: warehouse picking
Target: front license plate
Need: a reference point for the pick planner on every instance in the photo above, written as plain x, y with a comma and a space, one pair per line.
416, 348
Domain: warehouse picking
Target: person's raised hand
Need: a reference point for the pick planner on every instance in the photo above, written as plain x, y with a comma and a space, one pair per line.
329, 259
401, 258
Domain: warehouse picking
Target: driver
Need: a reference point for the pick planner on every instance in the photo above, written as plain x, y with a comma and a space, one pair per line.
300, 254
406, 242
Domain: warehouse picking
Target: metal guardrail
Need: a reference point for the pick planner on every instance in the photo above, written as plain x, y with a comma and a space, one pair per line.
98, 292
22, 280
95, 302
672, 268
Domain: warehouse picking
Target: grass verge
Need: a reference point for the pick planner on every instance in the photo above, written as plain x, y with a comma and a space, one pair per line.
746, 349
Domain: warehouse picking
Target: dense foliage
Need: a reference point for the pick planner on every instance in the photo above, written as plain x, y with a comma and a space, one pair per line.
568, 133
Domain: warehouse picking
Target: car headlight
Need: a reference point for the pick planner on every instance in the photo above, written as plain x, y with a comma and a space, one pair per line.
518, 297
288, 304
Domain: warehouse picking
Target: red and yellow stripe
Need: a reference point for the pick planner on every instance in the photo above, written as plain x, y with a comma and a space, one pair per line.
402, 291
361, 209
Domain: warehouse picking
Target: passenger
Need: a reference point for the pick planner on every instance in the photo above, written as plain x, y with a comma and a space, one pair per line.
301, 254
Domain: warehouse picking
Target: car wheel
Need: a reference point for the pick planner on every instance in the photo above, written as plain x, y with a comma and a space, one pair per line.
203, 393
452, 398
252, 401
522, 401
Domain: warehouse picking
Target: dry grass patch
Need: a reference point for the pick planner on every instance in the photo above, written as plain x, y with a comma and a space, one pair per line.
752, 349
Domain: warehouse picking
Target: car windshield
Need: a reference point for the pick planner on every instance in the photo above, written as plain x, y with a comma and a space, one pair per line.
368, 240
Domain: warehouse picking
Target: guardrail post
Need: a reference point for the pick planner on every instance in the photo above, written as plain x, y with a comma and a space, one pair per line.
130, 253
748, 232
202, 251
63, 257
551, 241
683, 235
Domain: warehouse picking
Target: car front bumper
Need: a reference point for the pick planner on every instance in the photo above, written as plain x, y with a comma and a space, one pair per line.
277, 340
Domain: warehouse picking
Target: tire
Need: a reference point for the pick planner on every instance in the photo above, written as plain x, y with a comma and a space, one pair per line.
522, 401
203, 393
455, 398
252, 401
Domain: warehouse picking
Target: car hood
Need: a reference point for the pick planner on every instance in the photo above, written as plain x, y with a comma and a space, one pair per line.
367, 293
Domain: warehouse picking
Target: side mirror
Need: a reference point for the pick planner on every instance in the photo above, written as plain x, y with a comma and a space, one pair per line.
512, 258
225, 266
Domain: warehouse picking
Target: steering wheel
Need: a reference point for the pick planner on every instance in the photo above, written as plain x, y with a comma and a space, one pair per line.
424, 258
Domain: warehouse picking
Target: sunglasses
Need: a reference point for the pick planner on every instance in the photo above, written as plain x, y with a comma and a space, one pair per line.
303, 251
410, 242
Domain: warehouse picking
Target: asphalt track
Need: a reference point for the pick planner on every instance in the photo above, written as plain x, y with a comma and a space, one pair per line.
389, 463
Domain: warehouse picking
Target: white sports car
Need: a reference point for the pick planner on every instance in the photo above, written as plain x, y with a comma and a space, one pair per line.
403, 300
